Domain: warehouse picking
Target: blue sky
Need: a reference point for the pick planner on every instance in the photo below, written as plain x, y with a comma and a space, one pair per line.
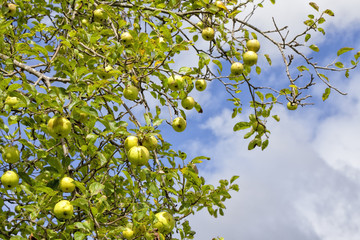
305, 185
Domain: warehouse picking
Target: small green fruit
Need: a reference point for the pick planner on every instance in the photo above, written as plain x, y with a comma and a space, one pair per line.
179, 124
150, 142
176, 83
128, 233
236, 68
126, 38
292, 106
208, 34
138, 155
63, 209
59, 127
67, 184
131, 141
188, 103
131, 92
99, 14
11, 154
10, 179
253, 45
11, 101
200, 85
164, 222
250, 58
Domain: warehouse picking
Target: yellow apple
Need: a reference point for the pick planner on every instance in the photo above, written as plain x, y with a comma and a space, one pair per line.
99, 14
150, 142
253, 45
176, 83
128, 233
10, 179
138, 155
164, 222
126, 38
236, 68
200, 85
67, 184
63, 209
131, 141
188, 103
250, 58
12, 9
131, 92
11, 101
59, 127
11, 154
292, 106
208, 34
179, 124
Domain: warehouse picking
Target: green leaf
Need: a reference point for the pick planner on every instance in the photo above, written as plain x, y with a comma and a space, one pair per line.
307, 37
96, 188
326, 94
276, 117
272, 1
233, 178
339, 64
25, 178
264, 144
268, 59
329, 12
240, 126
314, 5
218, 63
314, 48
344, 50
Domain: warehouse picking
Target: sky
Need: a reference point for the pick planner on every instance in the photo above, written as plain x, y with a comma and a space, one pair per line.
305, 185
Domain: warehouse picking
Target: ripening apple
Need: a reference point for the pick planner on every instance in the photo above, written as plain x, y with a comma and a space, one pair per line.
150, 142
200, 24
237, 68
188, 103
11, 154
138, 155
200, 85
176, 83
250, 58
179, 124
63, 209
99, 14
253, 45
67, 184
10, 179
12, 9
18, 209
164, 222
131, 141
292, 106
11, 101
59, 127
126, 38
128, 233
84, 21
208, 34
131, 92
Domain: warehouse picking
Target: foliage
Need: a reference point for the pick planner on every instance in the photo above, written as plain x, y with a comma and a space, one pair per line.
64, 58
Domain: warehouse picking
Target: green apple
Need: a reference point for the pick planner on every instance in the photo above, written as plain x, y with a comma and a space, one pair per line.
18, 209
179, 124
128, 233
164, 222
11, 154
67, 184
292, 106
200, 85
11, 101
84, 21
208, 34
131, 141
10, 179
253, 45
200, 24
126, 38
236, 68
12, 9
150, 142
188, 103
138, 155
59, 127
63, 209
131, 92
99, 14
176, 83
250, 58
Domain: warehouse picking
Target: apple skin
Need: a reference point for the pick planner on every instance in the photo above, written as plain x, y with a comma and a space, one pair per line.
59, 127
10, 179
131, 141
208, 34
200, 24
253, 45
128, 233
237, 68
11, 154
250, 58
291, 106
138, 155
164, 222
84, 21
200, 85
126, 38
188, 103
63, 209
176, 83
131, 92
12, 9
67, 184
179, 124
150, 142
11, 101
99, 14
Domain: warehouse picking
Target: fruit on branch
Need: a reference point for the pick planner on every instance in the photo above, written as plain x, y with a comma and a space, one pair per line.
84, 21
164, 222
179, 124
253, 45
126, 38
258, 127
11, 154
188, 103
99, 14
67, 184
250, 58
63, 209
208, 34
17, 209
59, 127
138, 155
176, 83
150, 142
200, 24
12, 9
10, 179
292, 106
131, 92
237, 68
200, 85
131, 141
128, 233
11, 101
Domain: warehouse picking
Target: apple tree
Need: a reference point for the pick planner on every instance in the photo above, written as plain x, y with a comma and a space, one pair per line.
87, 89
